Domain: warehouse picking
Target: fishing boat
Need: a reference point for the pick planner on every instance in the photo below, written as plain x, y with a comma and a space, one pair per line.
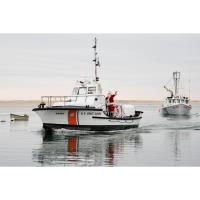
176, 104
15, 117
85, 108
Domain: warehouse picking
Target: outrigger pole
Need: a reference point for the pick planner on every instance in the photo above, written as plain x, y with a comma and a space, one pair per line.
96, 59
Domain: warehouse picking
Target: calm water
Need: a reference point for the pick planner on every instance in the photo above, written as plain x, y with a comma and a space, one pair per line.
160, 141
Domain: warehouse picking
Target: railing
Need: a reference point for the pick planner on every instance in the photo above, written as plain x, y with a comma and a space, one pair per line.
50, 100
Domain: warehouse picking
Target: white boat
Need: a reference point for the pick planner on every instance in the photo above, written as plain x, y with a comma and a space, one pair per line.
176, 104
14, 117
85, 109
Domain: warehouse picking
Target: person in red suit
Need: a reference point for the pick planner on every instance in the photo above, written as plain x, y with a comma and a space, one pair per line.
110, 103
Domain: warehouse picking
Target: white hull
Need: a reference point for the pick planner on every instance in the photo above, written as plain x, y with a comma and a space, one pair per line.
177, 109
85, 119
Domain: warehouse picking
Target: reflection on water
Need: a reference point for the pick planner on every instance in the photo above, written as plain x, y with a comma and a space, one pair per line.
68, 148
177, 140
18, 126
175, 137
139, 147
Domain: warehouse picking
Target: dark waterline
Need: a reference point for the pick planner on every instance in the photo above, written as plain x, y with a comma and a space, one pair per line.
160, 141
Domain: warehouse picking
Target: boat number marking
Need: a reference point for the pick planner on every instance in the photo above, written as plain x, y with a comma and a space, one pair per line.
59, 113
90, 113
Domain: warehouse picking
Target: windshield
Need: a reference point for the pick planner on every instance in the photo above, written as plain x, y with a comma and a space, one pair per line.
82, 90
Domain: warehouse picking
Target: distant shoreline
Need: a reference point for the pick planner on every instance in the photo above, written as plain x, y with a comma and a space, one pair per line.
36, 102
19, 103
150, 101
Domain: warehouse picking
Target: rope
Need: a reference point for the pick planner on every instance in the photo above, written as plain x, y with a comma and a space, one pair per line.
168, 81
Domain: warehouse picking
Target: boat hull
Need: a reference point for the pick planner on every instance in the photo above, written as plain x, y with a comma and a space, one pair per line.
90, 120
89, 127
15, 117
178, 109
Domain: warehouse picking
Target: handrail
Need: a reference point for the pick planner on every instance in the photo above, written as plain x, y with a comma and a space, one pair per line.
80, 95
49, 100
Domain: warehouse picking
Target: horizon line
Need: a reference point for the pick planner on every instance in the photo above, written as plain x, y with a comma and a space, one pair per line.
15, 100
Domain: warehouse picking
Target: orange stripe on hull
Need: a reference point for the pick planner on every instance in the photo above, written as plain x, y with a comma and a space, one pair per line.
72, 117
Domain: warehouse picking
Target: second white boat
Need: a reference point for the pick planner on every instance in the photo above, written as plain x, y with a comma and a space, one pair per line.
176, 104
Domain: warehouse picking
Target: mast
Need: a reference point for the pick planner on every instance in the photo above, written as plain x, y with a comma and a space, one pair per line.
176, 78
96, 59
189, 84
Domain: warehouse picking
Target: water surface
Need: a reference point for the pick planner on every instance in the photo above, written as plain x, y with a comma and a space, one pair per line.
160, 141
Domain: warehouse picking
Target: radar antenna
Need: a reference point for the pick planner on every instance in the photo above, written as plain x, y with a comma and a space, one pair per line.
96, 59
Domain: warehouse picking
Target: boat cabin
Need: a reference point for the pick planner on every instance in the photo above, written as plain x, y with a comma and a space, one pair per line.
177, 100
85, 87
85, 94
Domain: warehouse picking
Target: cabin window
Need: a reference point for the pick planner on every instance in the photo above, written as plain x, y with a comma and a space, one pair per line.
182, 100
187, 101
82, 90
91, 90
174, 100
170, 101
75, 91
178, 100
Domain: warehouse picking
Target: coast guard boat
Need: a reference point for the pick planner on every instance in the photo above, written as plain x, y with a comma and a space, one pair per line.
86, 108
176, 104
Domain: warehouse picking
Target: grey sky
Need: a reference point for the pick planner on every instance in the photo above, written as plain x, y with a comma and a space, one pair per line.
137, 65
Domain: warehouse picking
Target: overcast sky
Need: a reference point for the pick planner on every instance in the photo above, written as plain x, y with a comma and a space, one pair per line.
136, 65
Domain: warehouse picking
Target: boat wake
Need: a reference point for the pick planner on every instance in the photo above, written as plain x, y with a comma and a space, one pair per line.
84, 132
161, 127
